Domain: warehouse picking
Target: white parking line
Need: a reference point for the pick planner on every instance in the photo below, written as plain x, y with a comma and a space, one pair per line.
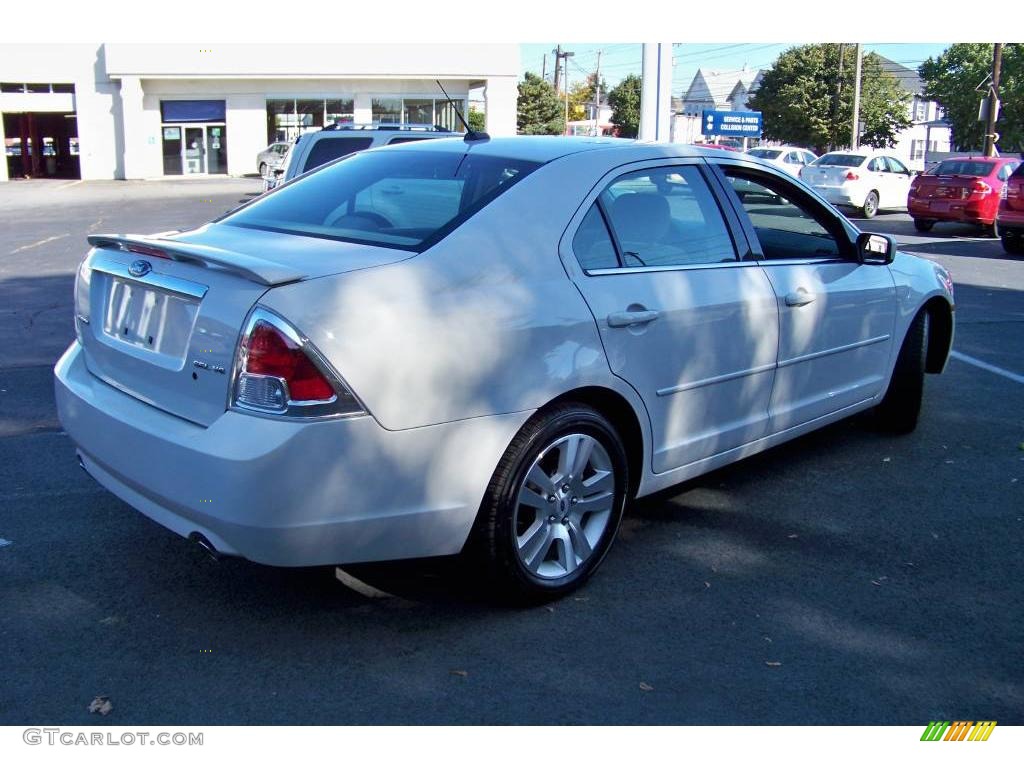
987, 366
37, 243
361, 587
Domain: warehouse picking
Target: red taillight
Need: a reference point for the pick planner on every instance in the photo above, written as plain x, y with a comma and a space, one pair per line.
851, 176
147, 250
980, 188
271, 353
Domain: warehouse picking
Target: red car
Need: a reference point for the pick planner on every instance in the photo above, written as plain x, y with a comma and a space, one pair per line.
963, 189
1011, 213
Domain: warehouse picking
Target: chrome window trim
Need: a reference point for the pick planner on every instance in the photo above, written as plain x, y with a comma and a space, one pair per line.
672, 268
101, 262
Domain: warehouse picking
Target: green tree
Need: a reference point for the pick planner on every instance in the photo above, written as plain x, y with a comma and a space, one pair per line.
624, 100
476, 119
797, 97
538, 109
582, 94
952, 79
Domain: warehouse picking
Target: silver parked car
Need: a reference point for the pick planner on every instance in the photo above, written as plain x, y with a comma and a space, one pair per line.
272, 158
485, 345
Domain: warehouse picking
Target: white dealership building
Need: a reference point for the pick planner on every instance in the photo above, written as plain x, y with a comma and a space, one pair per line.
136, 111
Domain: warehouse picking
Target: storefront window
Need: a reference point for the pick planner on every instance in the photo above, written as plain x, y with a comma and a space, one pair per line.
280, 120
419, 111
310, 114
387, 110
340, 111
446, 116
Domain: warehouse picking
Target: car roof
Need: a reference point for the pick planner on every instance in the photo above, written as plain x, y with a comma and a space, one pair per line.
543, 149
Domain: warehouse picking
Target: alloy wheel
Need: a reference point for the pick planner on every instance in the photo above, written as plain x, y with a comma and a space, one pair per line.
563, 506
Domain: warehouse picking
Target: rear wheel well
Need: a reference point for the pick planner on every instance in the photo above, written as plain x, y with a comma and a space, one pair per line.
620, 413
940, 333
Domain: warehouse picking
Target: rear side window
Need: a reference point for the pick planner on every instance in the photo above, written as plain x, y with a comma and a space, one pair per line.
666, 217
405, 199
407, 139
330, 148
1006, 171
593, 244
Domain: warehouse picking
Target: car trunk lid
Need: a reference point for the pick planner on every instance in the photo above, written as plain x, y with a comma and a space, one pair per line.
951, 187
160, 317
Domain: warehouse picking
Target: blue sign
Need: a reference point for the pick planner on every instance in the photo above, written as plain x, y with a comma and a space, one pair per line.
720, 122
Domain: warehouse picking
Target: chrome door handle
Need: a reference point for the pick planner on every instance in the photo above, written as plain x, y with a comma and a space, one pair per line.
626, 319
799, 298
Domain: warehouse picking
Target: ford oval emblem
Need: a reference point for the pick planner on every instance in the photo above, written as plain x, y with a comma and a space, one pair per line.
140, 268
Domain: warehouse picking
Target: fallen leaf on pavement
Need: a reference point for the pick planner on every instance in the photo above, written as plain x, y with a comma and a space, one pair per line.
773, 663
793, 536
707, 585
460, 673
101, 705
646, 687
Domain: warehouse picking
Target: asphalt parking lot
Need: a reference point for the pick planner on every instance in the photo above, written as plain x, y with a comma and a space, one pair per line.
848, 577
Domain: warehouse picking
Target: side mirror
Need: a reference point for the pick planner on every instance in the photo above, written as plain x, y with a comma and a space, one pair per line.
875, 249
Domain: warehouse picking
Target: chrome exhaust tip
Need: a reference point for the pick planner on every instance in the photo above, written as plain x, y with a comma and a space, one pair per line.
205, 545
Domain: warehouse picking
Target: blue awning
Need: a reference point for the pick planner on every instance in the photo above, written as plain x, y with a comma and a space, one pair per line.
192, 111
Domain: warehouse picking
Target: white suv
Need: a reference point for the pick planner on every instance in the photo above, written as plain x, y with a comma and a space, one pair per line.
311, 150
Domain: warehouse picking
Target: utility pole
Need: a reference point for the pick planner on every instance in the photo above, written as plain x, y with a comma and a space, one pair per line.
544, 68
991, 137
839, 90
855, 130
558, 61
565, 72
597, 94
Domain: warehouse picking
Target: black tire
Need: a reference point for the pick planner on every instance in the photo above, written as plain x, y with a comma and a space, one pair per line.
992, 230
493, 544
870, 207
1013, 242
899, 410
263, 170
924, 225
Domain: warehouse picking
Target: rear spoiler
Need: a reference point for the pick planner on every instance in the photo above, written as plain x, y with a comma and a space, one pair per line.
250, 267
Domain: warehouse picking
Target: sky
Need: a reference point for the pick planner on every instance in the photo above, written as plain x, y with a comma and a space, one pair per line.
621, 59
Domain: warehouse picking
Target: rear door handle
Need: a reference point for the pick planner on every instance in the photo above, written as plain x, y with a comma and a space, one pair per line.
799, 298
626, 319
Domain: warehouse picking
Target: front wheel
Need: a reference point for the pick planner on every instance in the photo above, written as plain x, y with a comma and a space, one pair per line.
899, 410
554, 504
263, 170
870, 207
924, 225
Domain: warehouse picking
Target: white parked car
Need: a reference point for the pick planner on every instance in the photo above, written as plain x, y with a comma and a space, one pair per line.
789, 159
483, 345
866, 179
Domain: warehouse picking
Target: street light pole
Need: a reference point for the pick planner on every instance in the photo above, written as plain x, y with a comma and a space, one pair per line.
855, 129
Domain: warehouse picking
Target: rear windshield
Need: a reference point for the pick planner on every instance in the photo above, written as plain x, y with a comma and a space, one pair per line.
399, 199
331, 148
963, 168
767, 154
840, 158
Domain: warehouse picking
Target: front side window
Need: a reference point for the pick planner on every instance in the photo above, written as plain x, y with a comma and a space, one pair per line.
664, 217
787, 225
394, 198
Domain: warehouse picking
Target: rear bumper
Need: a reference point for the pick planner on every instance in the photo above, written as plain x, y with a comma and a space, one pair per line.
956, 211
840, 196
1011, 219
283, 492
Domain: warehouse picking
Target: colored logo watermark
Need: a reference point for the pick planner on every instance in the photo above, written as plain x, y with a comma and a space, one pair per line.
960, 730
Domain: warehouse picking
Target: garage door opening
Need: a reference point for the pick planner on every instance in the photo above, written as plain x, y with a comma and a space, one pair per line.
41, 145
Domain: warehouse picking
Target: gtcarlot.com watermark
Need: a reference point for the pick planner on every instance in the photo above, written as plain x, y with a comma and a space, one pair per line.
70, 738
